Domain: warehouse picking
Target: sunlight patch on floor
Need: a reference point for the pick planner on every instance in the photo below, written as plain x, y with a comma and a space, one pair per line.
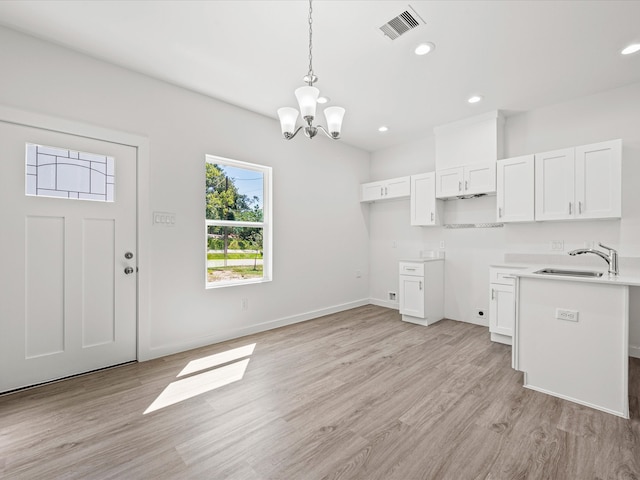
214, 376
211, 361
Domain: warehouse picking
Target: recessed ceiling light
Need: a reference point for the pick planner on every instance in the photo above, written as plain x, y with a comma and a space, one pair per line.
633, 48
474, 99
383, 129
424, 48
323, 99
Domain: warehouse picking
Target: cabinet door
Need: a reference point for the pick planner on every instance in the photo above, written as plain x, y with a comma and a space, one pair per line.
554, 185
449, 182
514, 189
371, 191
502, 309
412, 296
479, 178
423, 199
599, 180
397, 187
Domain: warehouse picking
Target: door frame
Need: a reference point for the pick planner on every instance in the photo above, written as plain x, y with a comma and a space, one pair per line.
141, 144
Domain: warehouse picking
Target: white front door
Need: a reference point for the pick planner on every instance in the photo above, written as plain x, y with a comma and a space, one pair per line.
67, 258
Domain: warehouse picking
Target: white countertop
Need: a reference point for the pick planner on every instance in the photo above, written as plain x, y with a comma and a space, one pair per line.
632, 279
421, 260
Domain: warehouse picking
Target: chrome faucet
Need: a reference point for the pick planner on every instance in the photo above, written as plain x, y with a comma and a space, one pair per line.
611, 258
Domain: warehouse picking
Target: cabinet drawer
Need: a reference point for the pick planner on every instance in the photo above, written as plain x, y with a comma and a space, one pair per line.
411, 268
502, 276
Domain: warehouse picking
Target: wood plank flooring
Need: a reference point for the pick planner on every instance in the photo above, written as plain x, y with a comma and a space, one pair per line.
354, 395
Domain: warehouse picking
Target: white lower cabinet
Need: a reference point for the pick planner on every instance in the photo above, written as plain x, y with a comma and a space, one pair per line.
502, 304
422, 291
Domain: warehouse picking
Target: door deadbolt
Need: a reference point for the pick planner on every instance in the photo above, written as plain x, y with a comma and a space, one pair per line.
128, 255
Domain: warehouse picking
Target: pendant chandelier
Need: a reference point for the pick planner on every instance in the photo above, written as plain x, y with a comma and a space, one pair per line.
308, 100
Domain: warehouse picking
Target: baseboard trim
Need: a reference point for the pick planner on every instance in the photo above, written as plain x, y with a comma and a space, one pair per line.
634, 351
384, 303
623, 413
163, 350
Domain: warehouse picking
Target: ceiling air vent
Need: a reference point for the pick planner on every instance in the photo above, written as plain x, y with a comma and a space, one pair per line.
401, 24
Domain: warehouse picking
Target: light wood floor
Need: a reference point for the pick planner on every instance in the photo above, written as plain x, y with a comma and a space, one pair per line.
355, 395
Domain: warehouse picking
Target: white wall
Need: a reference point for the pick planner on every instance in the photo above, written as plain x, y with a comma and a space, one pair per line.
469, 252
320, 231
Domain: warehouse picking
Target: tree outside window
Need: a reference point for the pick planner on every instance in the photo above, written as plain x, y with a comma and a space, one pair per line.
237, 222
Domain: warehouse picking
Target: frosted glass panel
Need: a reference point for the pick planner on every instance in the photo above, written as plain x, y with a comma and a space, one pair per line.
56, 172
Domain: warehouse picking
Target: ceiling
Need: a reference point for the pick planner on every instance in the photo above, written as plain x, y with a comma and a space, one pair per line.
518, 55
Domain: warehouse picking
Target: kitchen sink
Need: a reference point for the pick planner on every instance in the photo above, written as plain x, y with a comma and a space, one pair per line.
569, 273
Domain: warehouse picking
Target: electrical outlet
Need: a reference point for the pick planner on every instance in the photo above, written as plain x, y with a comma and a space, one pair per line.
393, 296
244, 304
557, 245
565, 314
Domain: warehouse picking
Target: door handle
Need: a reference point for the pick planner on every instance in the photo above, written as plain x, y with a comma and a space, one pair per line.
466, 185
580, 208
128, 255
493, 294
459, 186
499, 212
432, 216
420, 285
570, 209
128, 270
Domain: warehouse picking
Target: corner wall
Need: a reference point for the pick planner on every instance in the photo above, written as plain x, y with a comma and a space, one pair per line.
320, 234
469, 252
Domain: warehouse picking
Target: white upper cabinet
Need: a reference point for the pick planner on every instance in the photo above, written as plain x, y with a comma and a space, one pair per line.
386, 189
599, 180
579, 183
467, 180
515, 189
425, 209
466, 154
555, 184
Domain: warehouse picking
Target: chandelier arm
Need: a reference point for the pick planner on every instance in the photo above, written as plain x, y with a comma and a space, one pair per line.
327, 133
289, 136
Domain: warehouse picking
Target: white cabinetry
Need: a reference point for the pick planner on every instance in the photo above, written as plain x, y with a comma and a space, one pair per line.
502, 304
579, 183
474, 140
466, 180
385, 189
422, 291
425, 209
466, 154
515, 189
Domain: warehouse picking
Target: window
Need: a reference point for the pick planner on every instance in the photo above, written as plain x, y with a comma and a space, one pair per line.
64, 173
237, 222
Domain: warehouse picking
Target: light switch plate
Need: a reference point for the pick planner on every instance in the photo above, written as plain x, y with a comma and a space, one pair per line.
167, 219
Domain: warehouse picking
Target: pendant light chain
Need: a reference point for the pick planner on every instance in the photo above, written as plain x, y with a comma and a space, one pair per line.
308, 99
311, 76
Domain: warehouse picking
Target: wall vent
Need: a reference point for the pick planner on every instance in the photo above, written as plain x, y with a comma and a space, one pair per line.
407, 20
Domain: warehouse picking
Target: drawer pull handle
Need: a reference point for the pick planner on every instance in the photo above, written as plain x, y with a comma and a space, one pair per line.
493, 294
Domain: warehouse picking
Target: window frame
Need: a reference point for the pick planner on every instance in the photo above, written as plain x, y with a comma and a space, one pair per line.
266, 223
